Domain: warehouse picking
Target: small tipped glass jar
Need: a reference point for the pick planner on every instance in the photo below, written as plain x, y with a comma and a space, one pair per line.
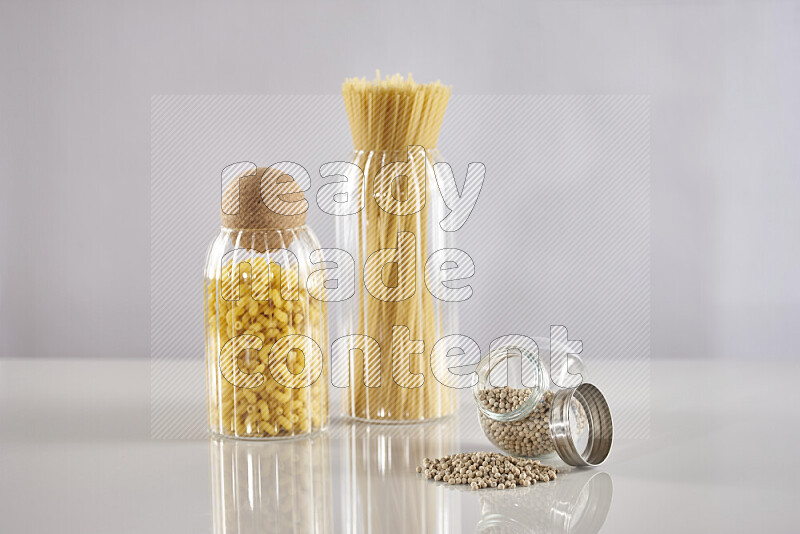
525, 413
265, 331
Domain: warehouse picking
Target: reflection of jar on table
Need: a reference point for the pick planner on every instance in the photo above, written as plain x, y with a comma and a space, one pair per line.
281, 486
577, 503
382, 491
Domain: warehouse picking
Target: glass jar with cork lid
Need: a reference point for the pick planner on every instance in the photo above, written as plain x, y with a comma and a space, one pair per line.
265, 330
529, 405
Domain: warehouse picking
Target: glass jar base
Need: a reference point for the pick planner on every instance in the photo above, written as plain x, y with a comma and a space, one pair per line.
314, 433
387, 421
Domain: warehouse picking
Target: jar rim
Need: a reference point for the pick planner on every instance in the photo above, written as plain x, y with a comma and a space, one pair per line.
497, 356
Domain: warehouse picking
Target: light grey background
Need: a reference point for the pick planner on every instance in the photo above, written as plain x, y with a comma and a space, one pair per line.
75, 148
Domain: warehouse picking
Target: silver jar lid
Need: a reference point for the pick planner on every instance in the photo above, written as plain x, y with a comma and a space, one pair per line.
580, 425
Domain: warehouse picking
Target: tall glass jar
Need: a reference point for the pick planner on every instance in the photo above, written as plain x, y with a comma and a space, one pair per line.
395, 125
265, 331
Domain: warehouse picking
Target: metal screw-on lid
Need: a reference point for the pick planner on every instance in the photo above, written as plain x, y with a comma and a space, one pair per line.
580, 425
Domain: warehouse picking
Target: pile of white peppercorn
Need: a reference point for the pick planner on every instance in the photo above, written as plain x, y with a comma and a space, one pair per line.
486, 470
528, 436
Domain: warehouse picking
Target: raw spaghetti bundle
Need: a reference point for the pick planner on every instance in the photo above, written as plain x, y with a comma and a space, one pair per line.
394, 113
400, 210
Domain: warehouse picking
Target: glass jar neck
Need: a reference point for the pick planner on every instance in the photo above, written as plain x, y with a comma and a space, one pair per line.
397, 154
501, 357
231, 230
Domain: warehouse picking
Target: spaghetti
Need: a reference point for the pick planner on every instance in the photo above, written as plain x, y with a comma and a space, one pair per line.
387, 118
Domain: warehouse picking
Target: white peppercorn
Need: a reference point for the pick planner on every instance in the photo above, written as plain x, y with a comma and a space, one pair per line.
498, 470
529, 436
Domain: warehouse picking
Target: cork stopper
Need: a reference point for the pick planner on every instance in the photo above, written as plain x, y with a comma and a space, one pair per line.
261, 201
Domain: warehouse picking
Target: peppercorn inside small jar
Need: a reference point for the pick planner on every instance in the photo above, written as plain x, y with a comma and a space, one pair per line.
524, 413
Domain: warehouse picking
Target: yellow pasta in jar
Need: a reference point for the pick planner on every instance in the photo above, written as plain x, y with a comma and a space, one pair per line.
270, 409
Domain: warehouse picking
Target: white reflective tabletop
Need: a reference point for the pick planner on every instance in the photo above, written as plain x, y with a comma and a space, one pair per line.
76, 456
